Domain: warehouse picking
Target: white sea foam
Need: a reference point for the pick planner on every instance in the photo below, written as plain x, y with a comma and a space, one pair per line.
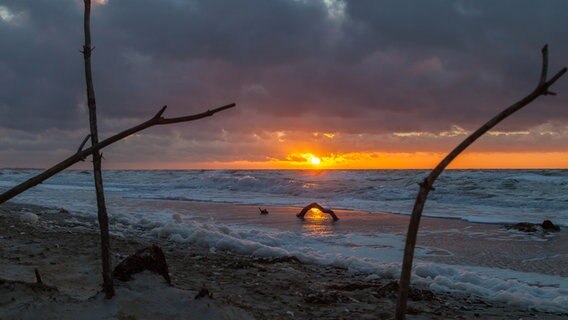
29, 217
378, 256
490, 196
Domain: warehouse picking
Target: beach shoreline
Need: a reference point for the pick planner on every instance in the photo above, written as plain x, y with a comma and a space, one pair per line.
64, 248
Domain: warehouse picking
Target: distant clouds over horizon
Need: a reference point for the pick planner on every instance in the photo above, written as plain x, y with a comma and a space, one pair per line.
326, 77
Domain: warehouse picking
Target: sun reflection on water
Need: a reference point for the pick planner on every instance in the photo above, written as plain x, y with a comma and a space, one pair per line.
317, 223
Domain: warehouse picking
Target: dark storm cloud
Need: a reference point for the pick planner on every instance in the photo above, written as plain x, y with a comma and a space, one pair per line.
359, 66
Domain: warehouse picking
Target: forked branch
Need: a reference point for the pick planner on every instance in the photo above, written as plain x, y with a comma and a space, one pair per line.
82, 154
541, 89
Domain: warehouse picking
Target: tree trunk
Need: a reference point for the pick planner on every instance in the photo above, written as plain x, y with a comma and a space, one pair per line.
426, 185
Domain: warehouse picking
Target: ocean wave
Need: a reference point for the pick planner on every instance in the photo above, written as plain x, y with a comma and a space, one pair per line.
472, 195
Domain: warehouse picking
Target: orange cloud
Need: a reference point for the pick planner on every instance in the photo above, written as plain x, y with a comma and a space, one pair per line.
375, 160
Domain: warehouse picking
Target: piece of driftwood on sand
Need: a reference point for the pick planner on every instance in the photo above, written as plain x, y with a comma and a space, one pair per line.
542, 89
315, 205
150, 258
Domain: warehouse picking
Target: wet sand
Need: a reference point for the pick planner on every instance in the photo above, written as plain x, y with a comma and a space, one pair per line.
65, 250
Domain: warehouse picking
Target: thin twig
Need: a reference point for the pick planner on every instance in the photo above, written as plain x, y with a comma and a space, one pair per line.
83, 144
159, 114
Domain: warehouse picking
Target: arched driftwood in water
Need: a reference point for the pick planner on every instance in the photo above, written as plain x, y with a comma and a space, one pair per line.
314, 205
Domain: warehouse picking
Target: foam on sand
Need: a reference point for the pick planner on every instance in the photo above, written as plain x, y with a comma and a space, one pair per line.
29, 217
378, 256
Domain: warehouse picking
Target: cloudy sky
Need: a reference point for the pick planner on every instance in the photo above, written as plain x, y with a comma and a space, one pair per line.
356, 84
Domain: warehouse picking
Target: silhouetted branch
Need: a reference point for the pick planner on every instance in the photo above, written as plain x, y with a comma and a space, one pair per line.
102, 215
81, 155
159, 114
426, 186
83, 143
544, 68
315, 205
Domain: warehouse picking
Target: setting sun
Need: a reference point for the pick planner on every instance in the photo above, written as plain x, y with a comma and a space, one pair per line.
315, 160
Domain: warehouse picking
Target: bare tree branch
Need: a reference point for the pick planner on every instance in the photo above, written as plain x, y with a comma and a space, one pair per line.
544, 68
102, 215
83, 143
159, 114
117, 137
426, 186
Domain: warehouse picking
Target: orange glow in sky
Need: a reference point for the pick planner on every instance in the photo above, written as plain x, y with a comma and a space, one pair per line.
368, 160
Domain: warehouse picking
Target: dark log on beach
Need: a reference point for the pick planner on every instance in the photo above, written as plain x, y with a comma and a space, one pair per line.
38, 285
523, 226
150, 258
545, 226
315, 205
35, 286
97, 157
203, 293
542, 89
549, 226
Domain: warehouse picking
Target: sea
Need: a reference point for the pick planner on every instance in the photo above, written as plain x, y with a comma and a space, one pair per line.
480, 257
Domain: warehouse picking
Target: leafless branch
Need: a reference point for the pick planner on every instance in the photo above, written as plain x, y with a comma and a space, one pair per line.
426, 186
102, 215
83, 143
117, 137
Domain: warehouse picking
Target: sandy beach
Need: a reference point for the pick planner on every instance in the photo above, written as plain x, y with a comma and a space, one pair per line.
65, 250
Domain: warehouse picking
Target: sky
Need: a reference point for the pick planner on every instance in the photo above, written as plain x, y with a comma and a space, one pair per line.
353, 84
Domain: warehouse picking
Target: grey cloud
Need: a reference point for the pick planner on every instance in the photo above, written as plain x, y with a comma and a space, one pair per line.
381, 67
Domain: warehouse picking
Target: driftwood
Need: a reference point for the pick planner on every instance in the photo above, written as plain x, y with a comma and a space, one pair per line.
425, 186
38, 276
549, 226
150, 258
203, 293
315, 205
82, 154
545, 226
102, 215
34, 286
39, 285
